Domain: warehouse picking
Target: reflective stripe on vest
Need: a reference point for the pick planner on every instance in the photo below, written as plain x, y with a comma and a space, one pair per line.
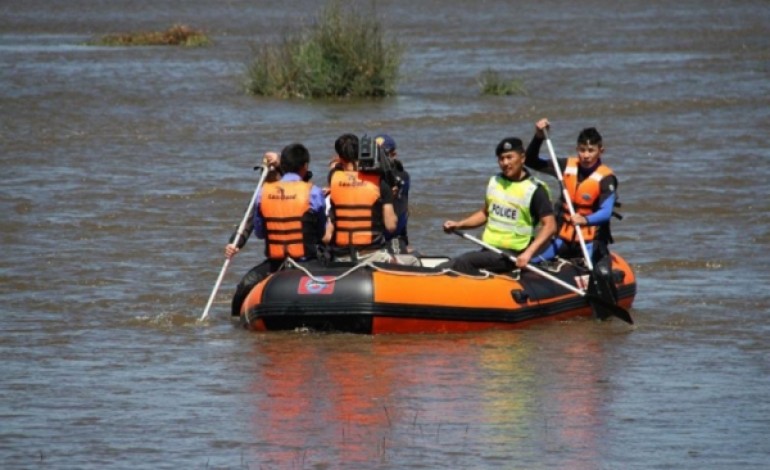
356, 209
509, 222
285, 207
584, 197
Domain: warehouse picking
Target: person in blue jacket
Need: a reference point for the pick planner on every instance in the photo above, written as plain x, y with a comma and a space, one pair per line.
592, 187
289, 214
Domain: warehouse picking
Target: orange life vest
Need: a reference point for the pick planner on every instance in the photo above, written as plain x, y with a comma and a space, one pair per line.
584, 197
357, 209
290, 225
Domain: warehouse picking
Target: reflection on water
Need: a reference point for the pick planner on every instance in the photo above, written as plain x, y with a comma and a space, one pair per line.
386, 399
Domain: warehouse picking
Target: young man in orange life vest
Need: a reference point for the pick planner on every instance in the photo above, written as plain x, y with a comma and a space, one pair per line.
515, 205
289, 214
592, 186
361, 211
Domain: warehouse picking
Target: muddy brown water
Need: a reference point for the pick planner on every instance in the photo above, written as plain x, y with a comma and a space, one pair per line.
124, 171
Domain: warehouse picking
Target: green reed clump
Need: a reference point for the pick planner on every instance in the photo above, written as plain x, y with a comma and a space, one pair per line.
176, 35
344, 54
492, 83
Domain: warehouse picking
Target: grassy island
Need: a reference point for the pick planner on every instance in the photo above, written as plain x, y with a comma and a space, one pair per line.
176, 35
343, 54
491, 83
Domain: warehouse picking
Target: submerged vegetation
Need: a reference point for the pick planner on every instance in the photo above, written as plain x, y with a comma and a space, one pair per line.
344, 54
177, 35
492, 83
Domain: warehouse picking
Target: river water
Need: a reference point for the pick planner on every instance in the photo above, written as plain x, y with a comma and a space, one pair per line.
125, 169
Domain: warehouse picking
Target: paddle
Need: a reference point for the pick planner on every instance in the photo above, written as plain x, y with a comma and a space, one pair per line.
601, 306
238, 234
598, 284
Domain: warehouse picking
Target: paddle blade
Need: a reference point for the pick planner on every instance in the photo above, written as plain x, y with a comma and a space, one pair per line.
604, 309
603, 298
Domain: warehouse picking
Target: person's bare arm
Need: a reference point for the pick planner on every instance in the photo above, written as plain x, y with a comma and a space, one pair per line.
544, 234
389, 217
477, 219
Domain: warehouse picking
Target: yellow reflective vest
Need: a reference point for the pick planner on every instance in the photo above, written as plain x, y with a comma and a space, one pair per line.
509, 221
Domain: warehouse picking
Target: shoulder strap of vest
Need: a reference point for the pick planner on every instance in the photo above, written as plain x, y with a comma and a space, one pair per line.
541, 183
604, 170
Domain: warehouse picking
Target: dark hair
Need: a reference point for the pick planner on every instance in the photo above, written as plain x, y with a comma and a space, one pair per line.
346, 147
589, 136
293, 158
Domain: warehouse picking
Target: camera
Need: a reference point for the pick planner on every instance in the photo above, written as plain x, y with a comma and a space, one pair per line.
371, 158
368, 154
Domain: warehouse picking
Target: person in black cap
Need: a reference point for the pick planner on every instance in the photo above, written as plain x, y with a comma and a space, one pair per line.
517, 212
398, 240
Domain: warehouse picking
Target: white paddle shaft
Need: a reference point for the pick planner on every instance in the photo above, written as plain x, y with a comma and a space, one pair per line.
238, 234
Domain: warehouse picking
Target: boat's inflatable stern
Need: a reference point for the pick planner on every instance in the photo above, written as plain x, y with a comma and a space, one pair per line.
292, 299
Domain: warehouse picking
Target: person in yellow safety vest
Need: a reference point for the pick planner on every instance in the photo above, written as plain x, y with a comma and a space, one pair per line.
289, 214
517, 212
361, 212
592, 187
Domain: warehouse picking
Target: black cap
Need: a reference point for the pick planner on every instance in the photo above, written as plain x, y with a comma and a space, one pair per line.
509, 144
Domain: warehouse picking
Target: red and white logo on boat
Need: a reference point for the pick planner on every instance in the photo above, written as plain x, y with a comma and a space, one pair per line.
309, 286
582, 282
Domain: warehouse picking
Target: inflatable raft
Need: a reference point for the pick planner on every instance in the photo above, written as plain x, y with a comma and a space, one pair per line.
374, 298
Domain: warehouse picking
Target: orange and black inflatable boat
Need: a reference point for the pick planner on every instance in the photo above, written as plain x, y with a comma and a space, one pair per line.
387, 298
